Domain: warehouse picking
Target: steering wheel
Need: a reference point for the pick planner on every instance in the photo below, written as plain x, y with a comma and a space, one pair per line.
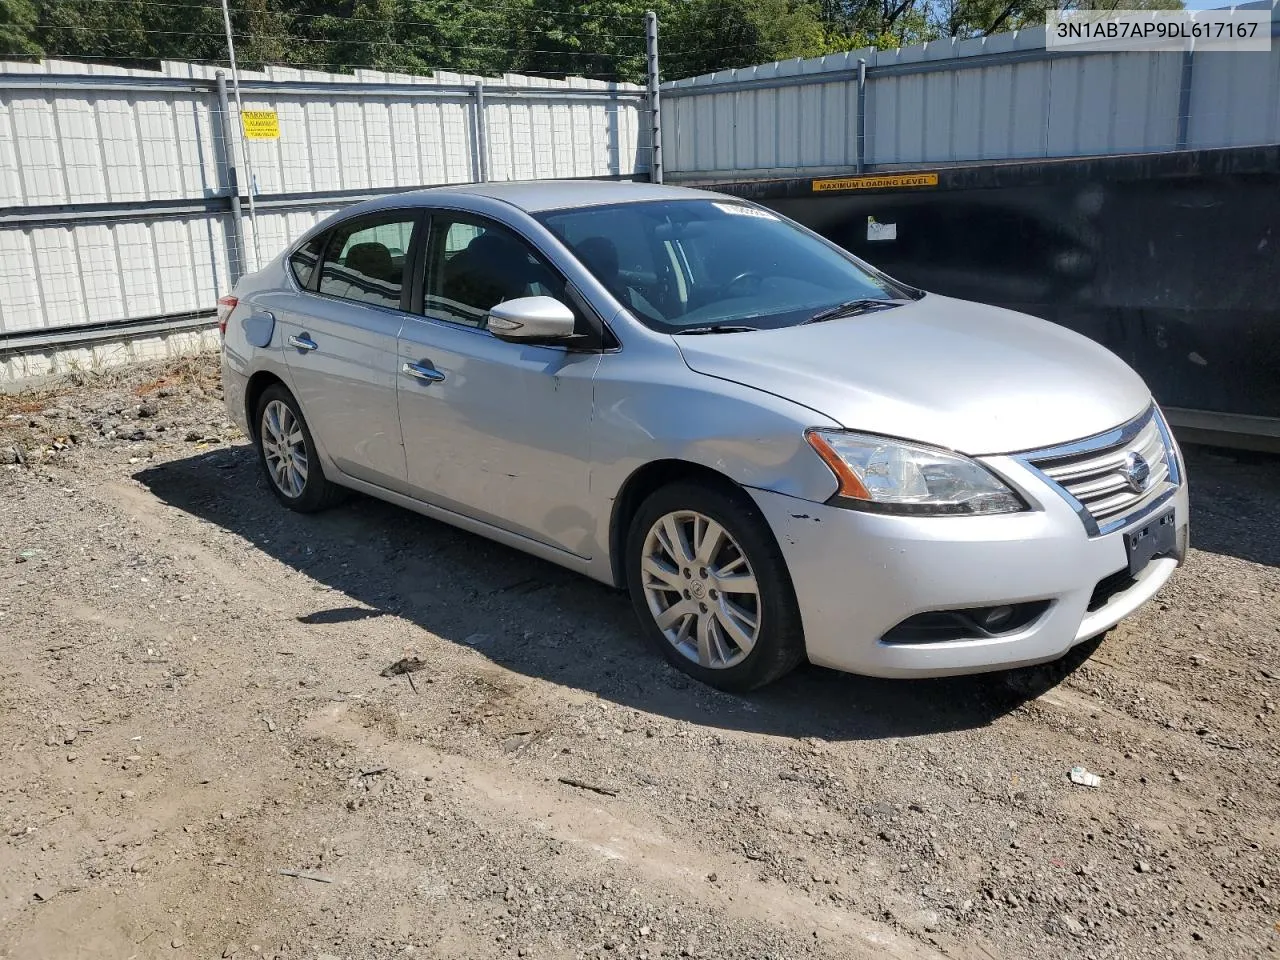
744, 276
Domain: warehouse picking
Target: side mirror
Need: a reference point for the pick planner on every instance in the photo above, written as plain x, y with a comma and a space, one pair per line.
531, 318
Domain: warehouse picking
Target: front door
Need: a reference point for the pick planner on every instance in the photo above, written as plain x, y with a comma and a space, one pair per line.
494, 430
340, 345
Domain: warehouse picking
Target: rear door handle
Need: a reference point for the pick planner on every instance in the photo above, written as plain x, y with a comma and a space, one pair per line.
420, 372
303, 342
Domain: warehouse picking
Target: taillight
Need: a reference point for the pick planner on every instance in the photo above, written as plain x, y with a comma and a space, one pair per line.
225, 306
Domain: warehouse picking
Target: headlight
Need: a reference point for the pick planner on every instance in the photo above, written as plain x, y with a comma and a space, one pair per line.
892, 476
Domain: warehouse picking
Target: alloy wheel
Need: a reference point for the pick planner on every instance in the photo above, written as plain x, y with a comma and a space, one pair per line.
701, 589
285, 448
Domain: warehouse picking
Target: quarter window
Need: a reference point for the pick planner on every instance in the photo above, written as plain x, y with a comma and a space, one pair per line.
475, 265
304, 259
366, 261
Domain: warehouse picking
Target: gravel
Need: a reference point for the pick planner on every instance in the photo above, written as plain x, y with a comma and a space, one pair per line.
546, 787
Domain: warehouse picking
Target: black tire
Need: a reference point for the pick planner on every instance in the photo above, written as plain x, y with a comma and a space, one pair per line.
779, 644
317, 492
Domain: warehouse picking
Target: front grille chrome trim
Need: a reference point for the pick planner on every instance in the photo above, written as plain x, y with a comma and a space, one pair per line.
1085, 472
1122, 434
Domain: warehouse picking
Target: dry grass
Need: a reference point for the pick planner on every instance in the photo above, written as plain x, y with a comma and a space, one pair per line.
149, 387
186, 372
20, 403
202, 371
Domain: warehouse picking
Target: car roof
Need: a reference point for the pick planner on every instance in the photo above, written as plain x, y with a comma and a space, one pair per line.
533, 196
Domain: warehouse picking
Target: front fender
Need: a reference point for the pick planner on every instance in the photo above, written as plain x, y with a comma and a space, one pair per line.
649, 408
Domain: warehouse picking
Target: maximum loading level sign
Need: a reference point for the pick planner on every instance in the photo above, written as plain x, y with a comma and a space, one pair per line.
873, 181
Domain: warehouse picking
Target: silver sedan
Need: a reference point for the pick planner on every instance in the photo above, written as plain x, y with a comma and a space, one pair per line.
780, 452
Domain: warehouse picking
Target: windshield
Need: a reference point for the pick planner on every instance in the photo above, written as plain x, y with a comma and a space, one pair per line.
683, 264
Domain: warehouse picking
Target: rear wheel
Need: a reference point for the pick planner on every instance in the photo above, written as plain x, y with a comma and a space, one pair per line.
288, 454
711, 588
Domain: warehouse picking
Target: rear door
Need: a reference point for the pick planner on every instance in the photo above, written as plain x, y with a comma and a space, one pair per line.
340, 344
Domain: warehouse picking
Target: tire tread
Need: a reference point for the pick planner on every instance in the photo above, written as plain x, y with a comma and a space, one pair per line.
780, 648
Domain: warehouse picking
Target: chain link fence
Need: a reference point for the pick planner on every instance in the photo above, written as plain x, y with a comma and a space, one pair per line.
125, 194
992, 99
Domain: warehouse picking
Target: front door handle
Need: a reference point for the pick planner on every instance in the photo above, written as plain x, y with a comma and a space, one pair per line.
303, 342
420, 372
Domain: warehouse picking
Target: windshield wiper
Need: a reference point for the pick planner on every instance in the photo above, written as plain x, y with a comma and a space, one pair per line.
852, 308
717, 328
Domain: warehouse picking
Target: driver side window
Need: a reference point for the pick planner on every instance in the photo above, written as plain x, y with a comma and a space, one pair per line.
473, 265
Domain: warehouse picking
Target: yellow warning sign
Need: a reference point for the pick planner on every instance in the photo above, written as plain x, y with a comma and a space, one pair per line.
877, 182
261, 125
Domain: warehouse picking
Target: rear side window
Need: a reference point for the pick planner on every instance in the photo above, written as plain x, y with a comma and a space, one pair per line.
365, 261
304, 260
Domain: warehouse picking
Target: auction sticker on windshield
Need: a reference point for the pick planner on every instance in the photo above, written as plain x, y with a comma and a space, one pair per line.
739, 210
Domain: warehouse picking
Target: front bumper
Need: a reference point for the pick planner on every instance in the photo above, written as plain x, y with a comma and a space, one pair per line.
858, 574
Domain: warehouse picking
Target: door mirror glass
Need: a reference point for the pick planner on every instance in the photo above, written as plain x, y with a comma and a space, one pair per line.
531, 318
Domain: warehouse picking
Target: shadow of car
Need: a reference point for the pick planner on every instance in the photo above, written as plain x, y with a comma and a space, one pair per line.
542, 621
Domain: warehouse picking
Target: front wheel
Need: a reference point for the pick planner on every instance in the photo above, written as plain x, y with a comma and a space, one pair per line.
711, 588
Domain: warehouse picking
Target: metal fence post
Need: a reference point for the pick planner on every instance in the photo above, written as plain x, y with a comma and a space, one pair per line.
655, 109
1184, 96
237, 269
862, 115
482, 139
244, 145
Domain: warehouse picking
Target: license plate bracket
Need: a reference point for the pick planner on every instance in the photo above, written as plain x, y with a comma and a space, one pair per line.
1155, 538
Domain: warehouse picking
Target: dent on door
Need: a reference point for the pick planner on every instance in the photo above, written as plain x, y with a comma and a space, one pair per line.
504, 436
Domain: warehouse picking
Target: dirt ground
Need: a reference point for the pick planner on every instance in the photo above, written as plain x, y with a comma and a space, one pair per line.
191, 704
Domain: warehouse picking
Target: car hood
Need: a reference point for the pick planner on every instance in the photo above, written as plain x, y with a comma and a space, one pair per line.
951, 373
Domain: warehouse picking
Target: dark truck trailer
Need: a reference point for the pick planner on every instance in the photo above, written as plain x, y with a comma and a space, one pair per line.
1171, 260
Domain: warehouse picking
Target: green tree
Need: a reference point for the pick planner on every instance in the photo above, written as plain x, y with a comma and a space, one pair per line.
337, 36
457, 35
264, 33
594, 38
72, 29
701, 36
18, 20
913, 21
603, 39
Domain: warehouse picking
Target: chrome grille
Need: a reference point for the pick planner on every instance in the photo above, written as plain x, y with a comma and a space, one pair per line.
1101, 474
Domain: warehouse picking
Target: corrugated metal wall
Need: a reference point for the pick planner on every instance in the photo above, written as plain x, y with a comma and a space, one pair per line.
1235, 98
1002, 97
113, 202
